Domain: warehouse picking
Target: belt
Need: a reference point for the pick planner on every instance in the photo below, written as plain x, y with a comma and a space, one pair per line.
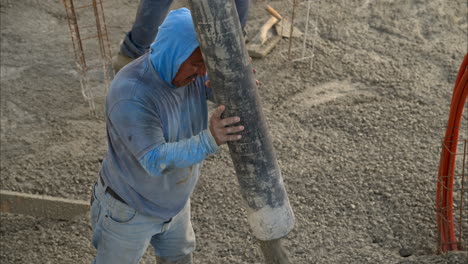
111, 192
117, 197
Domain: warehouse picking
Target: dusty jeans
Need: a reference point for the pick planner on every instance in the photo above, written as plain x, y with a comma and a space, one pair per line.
121, 234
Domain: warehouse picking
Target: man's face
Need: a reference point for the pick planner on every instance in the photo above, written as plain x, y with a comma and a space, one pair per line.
190, 69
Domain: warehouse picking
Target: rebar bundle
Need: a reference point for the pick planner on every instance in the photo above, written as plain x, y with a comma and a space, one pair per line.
302, 52
91, 45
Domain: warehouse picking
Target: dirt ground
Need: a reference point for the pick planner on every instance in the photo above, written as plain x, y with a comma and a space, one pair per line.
356, 132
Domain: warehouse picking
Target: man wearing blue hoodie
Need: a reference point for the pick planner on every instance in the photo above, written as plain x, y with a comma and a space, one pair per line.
149, 16
158, 134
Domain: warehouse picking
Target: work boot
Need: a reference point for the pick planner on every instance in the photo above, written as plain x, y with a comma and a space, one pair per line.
119, 61
185, 260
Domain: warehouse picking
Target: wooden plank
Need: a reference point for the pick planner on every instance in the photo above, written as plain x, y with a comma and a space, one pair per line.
41, 205
273, 12
283, 27
260, 51
265, 29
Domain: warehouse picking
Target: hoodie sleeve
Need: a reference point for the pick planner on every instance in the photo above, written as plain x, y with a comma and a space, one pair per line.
180, 154
140, 131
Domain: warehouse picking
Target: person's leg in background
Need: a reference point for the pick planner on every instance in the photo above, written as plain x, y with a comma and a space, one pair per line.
243, 11
150, 15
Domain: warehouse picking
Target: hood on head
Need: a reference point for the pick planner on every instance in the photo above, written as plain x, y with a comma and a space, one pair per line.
175, 42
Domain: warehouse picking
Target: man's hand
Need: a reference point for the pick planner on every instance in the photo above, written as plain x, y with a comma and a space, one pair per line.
218, 129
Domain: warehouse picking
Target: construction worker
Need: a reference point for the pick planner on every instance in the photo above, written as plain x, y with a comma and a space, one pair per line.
149, 16
158, 134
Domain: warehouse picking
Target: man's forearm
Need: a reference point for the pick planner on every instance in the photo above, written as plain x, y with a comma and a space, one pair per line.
179, 154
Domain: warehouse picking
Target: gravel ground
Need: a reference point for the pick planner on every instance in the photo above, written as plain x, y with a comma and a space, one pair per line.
356, 133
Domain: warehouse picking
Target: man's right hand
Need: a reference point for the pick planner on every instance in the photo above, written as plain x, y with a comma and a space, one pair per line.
218, 129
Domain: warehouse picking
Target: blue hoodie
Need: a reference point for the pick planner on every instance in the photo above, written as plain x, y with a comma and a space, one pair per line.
175, 42
157, 134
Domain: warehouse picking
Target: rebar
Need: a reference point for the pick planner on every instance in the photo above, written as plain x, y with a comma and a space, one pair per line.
304, 52
306, 29
462, 192
83, 47
453, 211
292, 28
